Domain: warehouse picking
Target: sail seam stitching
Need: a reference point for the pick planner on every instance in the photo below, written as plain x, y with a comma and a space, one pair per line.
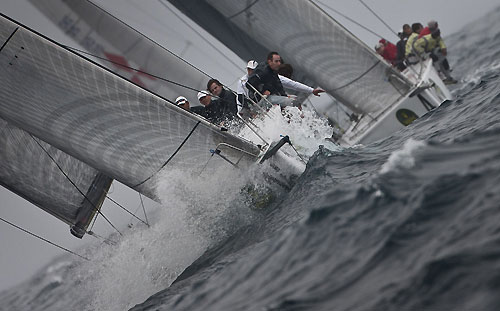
172, 156
8, 39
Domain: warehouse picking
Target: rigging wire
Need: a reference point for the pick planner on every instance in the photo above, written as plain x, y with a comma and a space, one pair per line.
356, 79
162, 47
129, 212
95, 208
147, 38
43, 239
118, 64
105, 240
380, 19
126, 210
74, 185
144, 209
296, 151
171, 157
199, 34
135, 212
349, 19
132, 68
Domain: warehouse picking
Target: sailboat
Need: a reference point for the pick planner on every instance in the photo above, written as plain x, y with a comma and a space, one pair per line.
70, 126
326, 54
90, 122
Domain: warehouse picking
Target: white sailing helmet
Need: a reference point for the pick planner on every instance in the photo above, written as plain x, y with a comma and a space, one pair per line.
181, 100
252, 64
202, 94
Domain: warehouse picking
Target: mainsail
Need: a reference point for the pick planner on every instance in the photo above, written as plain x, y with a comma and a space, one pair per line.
314, 43
121, 48
84, 113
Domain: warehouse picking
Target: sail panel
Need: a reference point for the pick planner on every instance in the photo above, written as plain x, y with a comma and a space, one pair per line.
26, 168
109, 123
110, 39
315, 44
211, 20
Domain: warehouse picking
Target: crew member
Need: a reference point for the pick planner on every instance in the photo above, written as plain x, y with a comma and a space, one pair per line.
267, 82
225, 100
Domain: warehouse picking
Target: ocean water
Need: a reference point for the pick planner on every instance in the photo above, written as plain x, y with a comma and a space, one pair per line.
411, 222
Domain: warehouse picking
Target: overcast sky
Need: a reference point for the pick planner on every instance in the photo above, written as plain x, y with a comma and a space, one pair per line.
21, 255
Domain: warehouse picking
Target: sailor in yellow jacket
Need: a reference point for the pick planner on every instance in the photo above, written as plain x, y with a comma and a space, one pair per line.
432, 45
416, 28
428, 43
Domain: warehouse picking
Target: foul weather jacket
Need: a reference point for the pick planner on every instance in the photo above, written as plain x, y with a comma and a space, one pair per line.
427, 44
409, 43
265, 80
223, 108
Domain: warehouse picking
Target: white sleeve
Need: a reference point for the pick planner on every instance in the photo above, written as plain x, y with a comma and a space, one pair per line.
241, 87
294, 85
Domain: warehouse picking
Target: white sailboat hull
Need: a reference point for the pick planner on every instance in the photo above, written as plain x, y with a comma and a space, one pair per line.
429, 92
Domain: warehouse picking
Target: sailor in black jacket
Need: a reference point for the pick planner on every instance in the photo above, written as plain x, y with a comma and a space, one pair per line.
224, 107
265, 80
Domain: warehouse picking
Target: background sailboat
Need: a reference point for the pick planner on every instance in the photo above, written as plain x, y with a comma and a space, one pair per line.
319, 48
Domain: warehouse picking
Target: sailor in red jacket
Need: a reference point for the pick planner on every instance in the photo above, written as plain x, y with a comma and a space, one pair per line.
431, 26
387, 50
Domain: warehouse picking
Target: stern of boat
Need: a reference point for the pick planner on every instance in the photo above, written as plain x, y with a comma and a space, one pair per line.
429, 92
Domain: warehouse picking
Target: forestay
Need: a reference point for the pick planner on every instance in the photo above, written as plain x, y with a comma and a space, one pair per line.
319, 47
103, 35
97, 117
